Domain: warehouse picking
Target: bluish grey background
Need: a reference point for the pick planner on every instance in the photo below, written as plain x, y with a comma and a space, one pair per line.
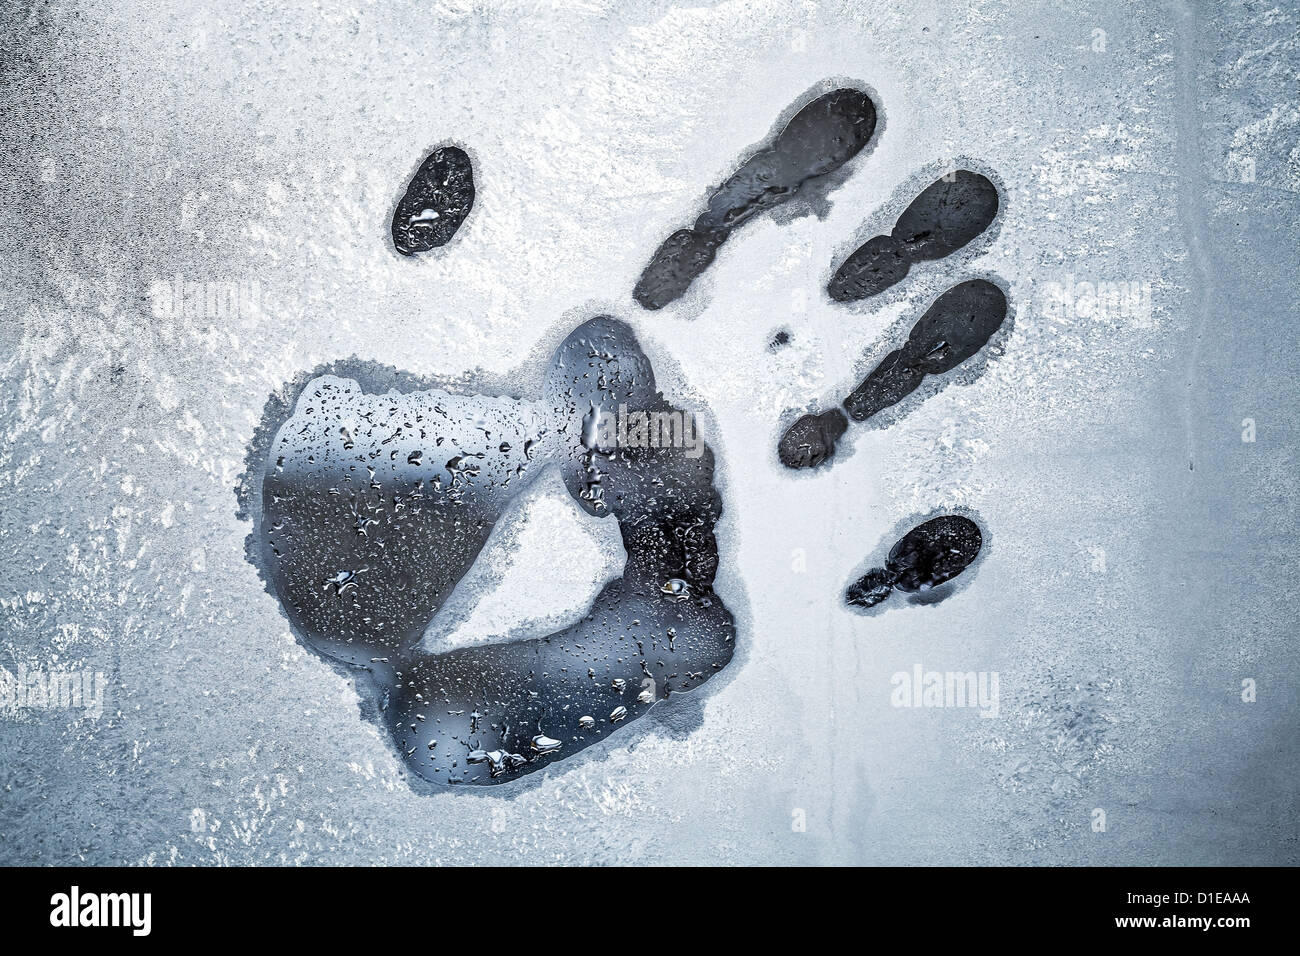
1141, 562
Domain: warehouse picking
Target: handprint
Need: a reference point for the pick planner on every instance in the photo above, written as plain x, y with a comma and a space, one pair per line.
378, 492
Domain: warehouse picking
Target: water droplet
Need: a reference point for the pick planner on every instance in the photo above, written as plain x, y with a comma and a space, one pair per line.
344, 580
676, 588
544, 744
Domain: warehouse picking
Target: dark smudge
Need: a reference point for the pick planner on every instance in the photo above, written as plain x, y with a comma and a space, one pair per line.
947, 215
436, 202
955, 327
931, 554
811, 440
817, 141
